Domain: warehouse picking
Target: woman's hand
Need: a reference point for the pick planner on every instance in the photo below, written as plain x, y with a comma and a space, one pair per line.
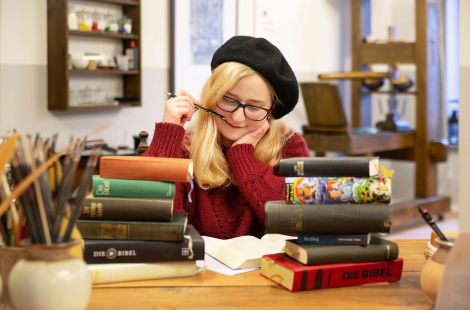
254, 136
179, 109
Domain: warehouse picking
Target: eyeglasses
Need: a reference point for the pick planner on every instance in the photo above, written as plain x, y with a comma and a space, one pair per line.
251, 112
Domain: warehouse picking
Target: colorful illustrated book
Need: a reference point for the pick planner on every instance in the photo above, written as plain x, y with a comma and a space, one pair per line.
323, 190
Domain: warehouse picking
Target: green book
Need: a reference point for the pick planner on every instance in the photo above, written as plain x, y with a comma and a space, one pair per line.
131, 188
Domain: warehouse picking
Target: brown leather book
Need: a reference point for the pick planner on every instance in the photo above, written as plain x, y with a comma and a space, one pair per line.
146, 168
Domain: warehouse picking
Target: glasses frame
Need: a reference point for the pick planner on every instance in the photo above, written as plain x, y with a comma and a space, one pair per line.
243, 106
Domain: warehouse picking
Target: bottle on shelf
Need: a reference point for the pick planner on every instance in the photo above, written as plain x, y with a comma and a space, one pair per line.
132, 55
454, 128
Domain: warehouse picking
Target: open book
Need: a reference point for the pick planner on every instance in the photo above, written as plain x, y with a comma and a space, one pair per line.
245, 251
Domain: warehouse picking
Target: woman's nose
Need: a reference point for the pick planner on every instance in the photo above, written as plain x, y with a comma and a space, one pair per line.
238, 115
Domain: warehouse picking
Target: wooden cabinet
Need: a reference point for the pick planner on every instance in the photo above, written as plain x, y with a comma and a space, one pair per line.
62, 43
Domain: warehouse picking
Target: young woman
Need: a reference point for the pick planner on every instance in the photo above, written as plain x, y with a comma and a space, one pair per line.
234, 149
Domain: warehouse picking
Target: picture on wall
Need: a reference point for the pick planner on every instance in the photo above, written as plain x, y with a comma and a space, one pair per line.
199, 27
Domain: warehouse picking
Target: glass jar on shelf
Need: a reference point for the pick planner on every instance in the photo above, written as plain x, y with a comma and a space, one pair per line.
72, 19
125, 25
101, 96
85, 21
112, 23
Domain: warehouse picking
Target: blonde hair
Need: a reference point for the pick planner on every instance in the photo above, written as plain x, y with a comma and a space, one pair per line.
211, 169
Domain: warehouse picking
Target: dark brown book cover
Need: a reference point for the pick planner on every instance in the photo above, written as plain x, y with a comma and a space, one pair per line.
326, 219
137, 251
328, 167
127, 209
319, 254
127, 230
146, 168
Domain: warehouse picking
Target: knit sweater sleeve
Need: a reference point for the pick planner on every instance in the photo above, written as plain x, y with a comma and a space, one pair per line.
255, 179
167, 141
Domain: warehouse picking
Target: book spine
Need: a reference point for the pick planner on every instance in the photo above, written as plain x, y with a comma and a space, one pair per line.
112, 273
348, 275
131, 188
336, 239
314, 254
323, 190
297, 277
327, 167
115, 251
128, 209
121, 230
146, 168
326, 219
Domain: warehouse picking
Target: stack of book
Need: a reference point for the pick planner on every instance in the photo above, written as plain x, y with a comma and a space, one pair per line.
128, 223
332, 205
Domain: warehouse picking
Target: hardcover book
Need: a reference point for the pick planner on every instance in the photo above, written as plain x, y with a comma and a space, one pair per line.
328, 167
112, 273
323, 190
319, 254
137, 251
245, 251
146, 168
284, 218
103, 187
345, 239
126, 230
127, 209
295, 276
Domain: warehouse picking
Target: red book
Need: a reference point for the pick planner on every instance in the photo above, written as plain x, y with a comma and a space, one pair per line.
295, 276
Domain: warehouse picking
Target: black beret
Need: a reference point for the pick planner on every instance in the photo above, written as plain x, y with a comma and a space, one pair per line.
266, 59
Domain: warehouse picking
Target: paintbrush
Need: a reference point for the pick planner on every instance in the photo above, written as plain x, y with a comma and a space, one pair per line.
82, 191
199, 107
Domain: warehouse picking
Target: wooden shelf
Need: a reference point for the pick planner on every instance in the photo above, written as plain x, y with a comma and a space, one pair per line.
355, 144
61, 79
94, 108
120, 2
107, 35
102, 72
385, 53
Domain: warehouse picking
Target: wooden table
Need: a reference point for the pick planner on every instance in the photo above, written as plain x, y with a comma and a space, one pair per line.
252, 291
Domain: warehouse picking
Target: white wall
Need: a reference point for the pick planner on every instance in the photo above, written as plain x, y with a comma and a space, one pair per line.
464, 130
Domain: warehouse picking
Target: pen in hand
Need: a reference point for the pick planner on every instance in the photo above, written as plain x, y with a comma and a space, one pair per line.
199, 107
430, 221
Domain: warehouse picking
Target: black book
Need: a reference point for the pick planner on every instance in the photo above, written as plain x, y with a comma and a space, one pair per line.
127, 209
328, 167
315, 254
127, 230
137, 251
285, 218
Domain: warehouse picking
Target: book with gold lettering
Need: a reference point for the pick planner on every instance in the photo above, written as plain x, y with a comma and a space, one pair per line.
296, 276
146, 168
128, 209
134, 230
319, 254
328, 167
105, 187
138, 251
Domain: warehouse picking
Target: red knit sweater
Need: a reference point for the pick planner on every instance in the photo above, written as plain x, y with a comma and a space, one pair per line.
232, 211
